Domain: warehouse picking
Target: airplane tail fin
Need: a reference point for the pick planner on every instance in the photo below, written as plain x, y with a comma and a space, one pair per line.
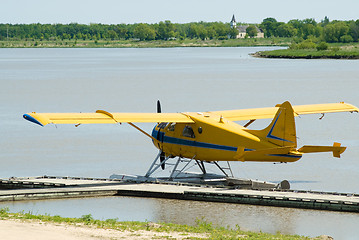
336, 149
281, 131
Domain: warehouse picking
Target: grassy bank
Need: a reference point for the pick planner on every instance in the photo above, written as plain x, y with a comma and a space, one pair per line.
205, 229
335, 51
144, 44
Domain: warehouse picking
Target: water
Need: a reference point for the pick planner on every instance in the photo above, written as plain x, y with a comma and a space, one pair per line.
184, 79
255, 218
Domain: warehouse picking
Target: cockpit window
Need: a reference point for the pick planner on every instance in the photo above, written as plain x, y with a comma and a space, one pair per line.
188, 132
162, 125
171, 127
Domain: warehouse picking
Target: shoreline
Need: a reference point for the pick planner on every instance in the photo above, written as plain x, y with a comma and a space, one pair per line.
350, 57
31, 227
250, 42
345, 52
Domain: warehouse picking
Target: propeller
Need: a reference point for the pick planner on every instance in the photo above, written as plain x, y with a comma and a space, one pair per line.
162, 158
158, 106
162, 154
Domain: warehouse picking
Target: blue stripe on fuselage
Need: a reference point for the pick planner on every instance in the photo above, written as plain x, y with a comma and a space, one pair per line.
179, 141
285, 155
185, 142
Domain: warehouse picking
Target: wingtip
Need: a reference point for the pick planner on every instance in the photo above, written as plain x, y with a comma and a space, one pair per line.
32, 119
351, 106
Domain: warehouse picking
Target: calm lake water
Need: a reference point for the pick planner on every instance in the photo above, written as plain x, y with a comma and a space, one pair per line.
184, 79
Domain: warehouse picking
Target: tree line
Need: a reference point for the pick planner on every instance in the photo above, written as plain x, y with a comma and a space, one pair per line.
164, 30
325, 30
299, 30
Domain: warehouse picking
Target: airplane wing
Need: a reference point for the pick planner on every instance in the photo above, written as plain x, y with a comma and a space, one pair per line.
101, 116
263, 113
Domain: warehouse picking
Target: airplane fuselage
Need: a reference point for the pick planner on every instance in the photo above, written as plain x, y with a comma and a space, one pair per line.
212, 138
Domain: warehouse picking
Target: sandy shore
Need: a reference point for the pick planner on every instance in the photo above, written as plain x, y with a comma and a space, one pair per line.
36, 230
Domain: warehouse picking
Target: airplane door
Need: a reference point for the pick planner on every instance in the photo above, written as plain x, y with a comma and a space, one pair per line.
189, 146
161, 133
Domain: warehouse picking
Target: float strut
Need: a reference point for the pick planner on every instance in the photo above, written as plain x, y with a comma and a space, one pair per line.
201, 166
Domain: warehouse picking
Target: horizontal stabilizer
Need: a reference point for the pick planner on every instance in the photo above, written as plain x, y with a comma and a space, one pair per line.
336, 149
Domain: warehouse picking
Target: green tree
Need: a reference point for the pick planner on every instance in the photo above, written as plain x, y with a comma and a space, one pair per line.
65, 36
269, 26
193, 31
334, 31
233, 33
346, 39
322, 46
121, 31
211, 32
144, 32
165, 30
202, 32
306, 44
251, 31
223, 30
306, 28
112, 34
325, 21
354, 30
286, 30
310, 30
79, 35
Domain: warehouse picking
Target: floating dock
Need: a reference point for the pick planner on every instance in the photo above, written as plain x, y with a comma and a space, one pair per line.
46, 187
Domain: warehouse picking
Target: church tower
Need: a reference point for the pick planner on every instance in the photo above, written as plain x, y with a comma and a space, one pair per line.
233, 22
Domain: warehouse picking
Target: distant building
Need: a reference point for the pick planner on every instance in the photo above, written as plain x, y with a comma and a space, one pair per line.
242, 29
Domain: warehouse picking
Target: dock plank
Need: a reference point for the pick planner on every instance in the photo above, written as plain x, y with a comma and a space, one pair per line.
80, 187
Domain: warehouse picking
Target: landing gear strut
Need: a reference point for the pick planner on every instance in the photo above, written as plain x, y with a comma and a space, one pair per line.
176, 172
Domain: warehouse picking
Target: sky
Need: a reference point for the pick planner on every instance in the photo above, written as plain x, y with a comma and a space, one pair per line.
179, 11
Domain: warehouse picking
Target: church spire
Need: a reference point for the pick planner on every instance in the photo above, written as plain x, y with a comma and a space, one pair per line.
233, 19
233, 22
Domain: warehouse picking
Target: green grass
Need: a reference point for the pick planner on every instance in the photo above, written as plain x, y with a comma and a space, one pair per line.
144, 44
203, 227
335, 51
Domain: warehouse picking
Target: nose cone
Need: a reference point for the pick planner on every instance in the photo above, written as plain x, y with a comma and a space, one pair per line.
154, 132
155, 136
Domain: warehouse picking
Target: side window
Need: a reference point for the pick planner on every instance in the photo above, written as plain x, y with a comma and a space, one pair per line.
188, 132
171, 127
162, 125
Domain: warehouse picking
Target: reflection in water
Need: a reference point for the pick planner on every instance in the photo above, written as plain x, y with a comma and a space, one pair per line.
247, 217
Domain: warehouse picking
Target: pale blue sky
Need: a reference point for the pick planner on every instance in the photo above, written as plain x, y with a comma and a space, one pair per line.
180, 11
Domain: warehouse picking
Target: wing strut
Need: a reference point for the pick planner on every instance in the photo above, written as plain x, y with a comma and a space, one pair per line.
131, 124
139, 129
249, 123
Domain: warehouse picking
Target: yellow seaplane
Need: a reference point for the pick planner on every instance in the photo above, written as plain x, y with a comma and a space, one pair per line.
213, 137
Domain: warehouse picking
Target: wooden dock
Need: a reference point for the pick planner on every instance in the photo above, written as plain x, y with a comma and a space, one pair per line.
69, 187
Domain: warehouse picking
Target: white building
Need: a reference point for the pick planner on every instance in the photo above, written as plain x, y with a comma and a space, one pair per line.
242, 29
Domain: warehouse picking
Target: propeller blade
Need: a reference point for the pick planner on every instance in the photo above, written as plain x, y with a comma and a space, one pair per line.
162, 155
162, 158
158, 106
